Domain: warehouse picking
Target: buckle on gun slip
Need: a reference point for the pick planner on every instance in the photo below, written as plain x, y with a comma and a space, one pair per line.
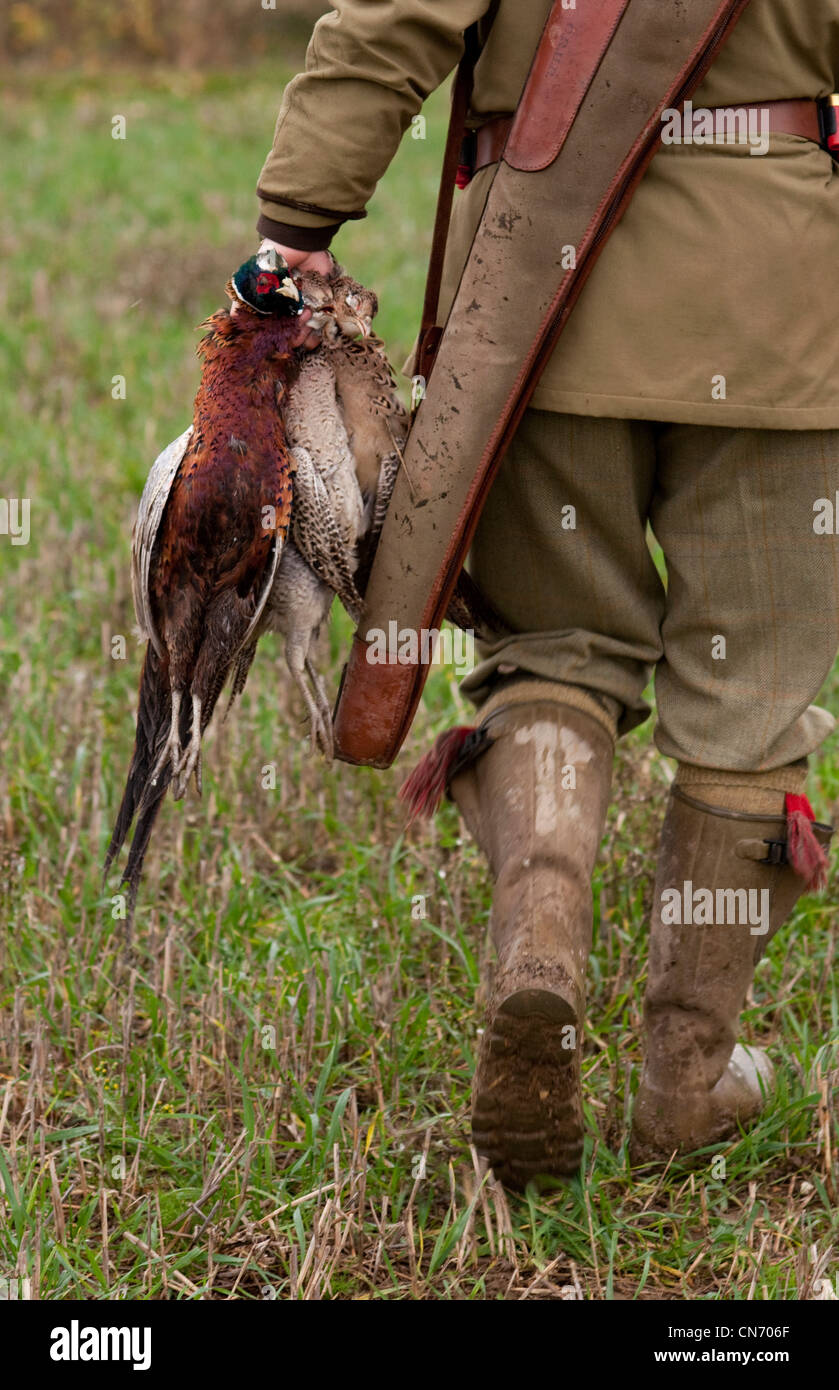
829, 123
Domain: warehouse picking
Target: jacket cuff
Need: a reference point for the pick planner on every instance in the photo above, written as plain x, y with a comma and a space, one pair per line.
300, 238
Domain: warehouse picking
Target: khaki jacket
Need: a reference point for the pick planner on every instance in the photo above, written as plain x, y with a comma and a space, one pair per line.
715, 300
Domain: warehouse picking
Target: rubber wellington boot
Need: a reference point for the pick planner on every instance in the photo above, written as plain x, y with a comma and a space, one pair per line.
536, 803
724, 887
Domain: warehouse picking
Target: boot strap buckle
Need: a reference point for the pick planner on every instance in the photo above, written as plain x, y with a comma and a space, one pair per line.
777, 852
771, 852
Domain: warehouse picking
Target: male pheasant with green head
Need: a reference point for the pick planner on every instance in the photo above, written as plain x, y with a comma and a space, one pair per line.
215, 513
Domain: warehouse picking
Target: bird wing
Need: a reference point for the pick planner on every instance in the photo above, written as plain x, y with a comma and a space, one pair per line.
317, 534
156, 492
387, 480
369, 363
149, 516
262, 598
385, 397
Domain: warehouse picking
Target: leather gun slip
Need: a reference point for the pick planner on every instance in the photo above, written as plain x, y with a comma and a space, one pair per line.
587, 126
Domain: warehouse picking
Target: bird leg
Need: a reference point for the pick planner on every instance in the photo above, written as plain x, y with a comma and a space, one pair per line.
320, 715
324, 709
191, 760
171, 750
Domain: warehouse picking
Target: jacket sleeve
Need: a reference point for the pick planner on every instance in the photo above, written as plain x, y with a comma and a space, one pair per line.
369, 67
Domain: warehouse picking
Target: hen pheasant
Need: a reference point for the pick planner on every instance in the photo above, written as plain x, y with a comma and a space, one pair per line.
374, 416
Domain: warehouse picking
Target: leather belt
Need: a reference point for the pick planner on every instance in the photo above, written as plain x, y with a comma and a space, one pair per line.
805, 118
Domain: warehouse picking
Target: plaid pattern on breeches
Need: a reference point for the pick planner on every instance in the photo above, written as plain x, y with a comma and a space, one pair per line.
743, 631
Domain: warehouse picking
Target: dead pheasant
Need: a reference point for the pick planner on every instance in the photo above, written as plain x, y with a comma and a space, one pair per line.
261, 513
328, 523
215, 513
375, 418
337, 415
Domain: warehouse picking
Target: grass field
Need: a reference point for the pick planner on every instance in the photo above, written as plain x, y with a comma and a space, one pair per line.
268, 1096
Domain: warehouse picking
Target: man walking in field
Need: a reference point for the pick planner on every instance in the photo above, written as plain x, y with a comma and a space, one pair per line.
692, 391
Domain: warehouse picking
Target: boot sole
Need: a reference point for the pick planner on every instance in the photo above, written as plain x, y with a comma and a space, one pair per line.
527, 1118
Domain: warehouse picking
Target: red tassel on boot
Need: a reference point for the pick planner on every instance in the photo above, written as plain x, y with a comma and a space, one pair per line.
804, 852
424, 789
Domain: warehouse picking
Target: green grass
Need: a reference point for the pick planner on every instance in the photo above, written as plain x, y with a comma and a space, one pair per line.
268, 1096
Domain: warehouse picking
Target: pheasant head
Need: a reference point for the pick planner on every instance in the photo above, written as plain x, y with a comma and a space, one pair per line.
265, 285
355, 307
318, 296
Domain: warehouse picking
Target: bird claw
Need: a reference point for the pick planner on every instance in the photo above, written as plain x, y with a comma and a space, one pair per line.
321, 736
190, 761
317, 704
169, 755
171, 751
321, 716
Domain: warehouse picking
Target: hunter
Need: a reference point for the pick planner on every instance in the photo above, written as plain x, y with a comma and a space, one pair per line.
691, 392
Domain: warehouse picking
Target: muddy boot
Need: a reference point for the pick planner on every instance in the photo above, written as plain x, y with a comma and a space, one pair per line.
536, 803
725, 885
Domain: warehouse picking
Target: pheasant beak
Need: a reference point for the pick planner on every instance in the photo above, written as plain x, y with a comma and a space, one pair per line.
288, 289
363, 325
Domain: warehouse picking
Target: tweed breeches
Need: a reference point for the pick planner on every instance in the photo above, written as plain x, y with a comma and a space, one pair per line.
739, 626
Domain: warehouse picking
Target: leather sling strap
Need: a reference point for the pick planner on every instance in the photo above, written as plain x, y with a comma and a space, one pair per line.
587, 126
430, 332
